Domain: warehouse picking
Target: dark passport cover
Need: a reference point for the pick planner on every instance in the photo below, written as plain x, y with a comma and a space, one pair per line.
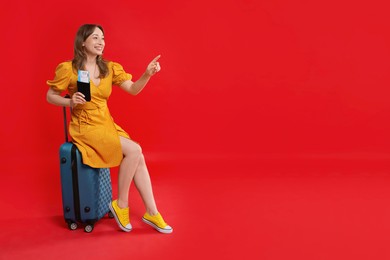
84, 88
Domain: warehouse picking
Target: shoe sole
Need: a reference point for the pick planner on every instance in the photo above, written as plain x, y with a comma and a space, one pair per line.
165, 231
117, 219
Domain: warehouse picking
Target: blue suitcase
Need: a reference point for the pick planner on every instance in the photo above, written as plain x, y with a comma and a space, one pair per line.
86, 191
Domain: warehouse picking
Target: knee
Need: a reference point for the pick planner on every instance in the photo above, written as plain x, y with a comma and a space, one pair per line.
137, 150
134, 150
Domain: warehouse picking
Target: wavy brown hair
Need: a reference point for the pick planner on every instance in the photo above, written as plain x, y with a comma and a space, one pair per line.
80, 56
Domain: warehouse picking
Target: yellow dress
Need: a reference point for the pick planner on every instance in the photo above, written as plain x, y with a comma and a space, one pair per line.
91, 127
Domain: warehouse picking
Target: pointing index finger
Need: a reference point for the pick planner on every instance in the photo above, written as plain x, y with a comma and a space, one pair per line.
155, 59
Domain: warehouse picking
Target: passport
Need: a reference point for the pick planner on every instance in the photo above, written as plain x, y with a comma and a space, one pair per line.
83, 84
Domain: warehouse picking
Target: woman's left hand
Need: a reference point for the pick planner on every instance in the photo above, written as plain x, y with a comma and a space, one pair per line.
154, 66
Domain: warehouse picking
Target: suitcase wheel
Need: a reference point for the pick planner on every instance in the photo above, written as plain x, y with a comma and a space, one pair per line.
72, 225
110, 215
88, 228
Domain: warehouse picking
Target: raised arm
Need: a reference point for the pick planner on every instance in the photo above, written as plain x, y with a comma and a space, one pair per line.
136, 87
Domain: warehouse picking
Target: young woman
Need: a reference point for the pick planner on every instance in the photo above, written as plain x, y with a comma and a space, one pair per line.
103, 143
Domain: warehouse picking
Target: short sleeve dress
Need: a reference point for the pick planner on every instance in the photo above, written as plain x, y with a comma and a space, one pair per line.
92, 127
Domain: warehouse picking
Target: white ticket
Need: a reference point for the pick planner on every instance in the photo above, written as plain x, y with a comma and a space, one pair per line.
83, 76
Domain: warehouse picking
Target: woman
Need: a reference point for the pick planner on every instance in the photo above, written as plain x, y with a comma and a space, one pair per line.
101, 142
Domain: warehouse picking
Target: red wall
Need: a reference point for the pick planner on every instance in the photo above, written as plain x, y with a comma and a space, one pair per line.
238, 77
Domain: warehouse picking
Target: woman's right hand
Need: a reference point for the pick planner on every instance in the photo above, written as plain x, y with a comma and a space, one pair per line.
77, 98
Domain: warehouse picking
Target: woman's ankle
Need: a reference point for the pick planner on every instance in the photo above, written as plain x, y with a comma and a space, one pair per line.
122, 204
152, 212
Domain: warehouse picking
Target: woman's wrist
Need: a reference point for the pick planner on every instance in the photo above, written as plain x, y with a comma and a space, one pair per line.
146, 75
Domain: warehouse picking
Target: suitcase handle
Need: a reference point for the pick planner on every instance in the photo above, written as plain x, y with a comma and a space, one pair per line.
65, 121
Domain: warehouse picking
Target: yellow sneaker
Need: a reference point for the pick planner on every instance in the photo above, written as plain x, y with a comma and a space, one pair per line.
121, 216
157, 222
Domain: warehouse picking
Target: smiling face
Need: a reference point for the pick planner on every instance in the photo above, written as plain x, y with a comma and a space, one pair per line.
94, 44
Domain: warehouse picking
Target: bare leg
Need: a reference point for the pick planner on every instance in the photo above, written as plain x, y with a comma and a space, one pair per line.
131, 156
144, 185
133, 166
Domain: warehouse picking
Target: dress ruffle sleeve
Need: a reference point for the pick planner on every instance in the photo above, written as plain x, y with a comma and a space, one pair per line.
119, 75
62, 77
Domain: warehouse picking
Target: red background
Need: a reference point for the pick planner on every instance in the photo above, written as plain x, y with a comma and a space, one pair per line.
242, 83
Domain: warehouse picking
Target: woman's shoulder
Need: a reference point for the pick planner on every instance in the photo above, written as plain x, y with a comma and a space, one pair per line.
65, 67
118, 73
112, 64
63, 75
65, 64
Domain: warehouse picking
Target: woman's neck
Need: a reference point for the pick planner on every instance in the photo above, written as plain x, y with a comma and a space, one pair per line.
90, 60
